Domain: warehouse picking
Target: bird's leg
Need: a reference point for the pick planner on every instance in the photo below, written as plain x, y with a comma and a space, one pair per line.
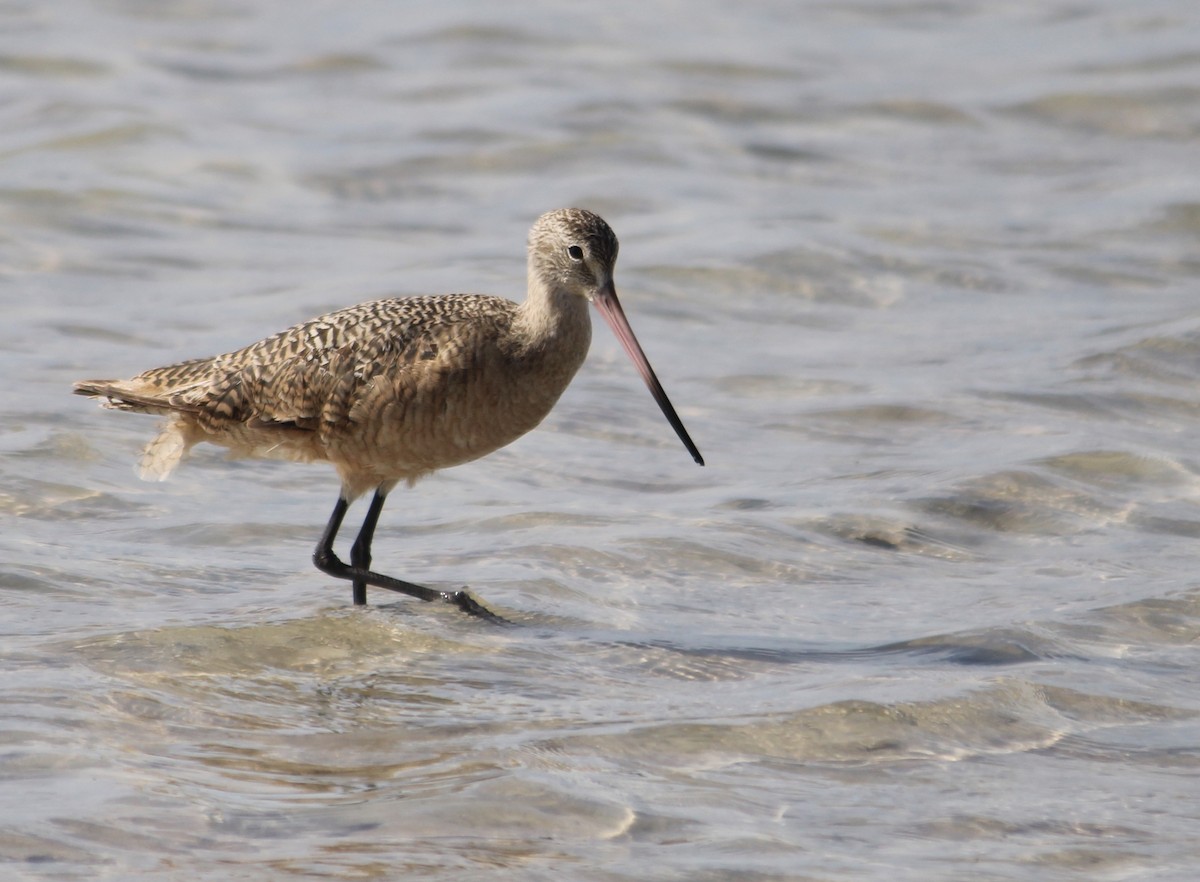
323, 556
359, 573
360, 551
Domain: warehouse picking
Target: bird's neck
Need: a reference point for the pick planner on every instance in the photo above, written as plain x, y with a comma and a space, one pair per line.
551, 318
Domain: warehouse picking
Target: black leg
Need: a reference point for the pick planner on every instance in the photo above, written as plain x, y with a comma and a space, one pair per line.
328, 562
360, 551
324, 557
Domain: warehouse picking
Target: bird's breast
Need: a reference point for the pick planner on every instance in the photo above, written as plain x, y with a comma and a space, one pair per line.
455, 399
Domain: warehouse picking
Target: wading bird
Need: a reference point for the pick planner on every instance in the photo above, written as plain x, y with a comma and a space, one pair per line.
392, 390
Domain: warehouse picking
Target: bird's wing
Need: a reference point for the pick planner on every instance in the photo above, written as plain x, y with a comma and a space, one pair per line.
315, 372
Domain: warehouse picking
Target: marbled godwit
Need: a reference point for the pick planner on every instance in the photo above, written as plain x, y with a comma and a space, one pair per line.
393, 390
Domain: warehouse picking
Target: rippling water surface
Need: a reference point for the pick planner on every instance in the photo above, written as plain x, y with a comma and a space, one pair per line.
921, 279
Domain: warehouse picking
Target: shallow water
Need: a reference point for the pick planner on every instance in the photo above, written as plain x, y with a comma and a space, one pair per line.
920, 279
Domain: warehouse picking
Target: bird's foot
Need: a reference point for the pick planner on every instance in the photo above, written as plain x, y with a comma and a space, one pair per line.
468, 604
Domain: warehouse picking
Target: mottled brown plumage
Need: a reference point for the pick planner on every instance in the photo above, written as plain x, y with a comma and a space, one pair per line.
394, 389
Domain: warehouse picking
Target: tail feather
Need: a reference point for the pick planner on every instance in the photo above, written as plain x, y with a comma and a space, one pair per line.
94, 388
126, 395
174, 439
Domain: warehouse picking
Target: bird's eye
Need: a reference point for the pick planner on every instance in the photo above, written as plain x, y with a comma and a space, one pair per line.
575, 252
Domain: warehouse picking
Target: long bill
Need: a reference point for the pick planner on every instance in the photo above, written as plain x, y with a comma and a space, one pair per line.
609, 306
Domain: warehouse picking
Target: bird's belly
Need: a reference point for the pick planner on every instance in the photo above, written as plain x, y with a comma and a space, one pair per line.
395, 437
